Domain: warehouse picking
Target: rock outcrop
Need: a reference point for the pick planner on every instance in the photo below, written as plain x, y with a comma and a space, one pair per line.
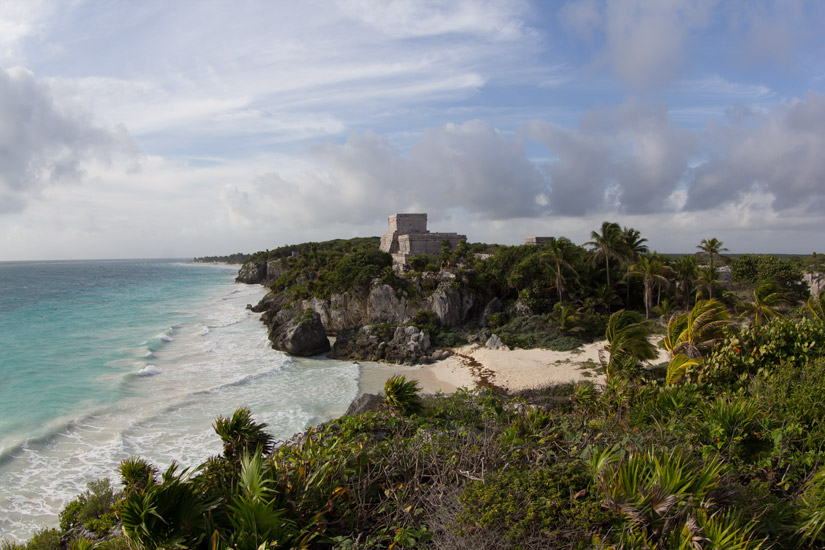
407, 345
375, 305
302, 334
260, 273
252, 273
365, 402
494, 342
381, 303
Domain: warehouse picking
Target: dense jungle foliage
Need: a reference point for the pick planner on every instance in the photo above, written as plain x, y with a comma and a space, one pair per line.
558, 295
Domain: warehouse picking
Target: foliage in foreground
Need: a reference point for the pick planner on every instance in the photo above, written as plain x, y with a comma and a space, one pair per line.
731, 457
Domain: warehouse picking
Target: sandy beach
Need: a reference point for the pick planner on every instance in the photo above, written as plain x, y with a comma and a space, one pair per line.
510, 370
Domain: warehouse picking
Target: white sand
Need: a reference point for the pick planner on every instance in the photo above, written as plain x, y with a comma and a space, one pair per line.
512, 370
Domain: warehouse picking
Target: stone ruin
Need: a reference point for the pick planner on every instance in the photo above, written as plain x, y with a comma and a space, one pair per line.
537, 241
408, 236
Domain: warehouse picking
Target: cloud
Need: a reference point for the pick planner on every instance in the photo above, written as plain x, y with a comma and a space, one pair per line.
470, 168
340, 65
19, 20
779, 153
628, 159
497, 20
642, 41
41, 144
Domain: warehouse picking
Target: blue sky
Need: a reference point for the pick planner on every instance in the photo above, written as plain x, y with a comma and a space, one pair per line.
154, 128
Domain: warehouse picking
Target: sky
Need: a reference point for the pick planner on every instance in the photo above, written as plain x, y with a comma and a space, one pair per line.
190, 128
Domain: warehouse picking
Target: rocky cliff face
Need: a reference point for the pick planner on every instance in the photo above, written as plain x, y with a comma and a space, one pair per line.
378, 304
381, 303
404, 344
260, 273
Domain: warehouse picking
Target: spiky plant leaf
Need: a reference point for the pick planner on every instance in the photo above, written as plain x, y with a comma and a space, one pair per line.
401, 395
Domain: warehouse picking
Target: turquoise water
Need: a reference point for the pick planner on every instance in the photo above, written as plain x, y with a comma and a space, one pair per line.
104, 360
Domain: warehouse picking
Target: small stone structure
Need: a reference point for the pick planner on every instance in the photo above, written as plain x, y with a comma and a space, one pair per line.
537, 241
408, 236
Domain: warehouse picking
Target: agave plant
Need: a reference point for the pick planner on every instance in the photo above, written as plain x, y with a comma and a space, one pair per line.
401, 395
256, 520
242, 435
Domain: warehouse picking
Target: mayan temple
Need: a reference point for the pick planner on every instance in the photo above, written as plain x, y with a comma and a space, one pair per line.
408, 236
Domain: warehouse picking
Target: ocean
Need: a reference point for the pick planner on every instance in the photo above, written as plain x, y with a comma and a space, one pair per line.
103, 360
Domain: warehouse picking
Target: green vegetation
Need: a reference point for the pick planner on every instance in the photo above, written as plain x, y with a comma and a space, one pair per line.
724, 447
401, 395
732, 455
236, 258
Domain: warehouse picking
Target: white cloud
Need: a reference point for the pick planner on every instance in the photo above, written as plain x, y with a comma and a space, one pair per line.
41, 144
631, 158
779, 152
644, 41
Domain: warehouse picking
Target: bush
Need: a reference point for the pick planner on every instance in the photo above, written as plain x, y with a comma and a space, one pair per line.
553, 504
401, 395
45, 539
92, 509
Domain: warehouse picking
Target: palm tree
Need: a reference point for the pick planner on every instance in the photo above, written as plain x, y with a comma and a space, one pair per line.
767, 296
687, 271
665, 308
711, 247
566, 317
706, 281
559, 253
626, 341
695, 332
816, 305
634, 247
242, 435
607, 244
651, 271
634, 243
603, 297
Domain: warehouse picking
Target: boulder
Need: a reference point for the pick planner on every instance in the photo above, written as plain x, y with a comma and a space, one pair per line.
303, 335
407, 345
365, 403
494, 342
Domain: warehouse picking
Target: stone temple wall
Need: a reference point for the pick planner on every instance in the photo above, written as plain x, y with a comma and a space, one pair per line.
408, 223
407, 236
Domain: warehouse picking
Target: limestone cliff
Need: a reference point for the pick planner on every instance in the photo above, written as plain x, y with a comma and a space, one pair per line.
378, 303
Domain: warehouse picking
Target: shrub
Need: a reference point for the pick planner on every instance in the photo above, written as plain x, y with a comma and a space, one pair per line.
91, 509
549, 503
136, 474
401, 395
45, 539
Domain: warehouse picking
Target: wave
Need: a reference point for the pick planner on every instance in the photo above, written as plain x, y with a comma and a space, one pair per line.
148, 370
